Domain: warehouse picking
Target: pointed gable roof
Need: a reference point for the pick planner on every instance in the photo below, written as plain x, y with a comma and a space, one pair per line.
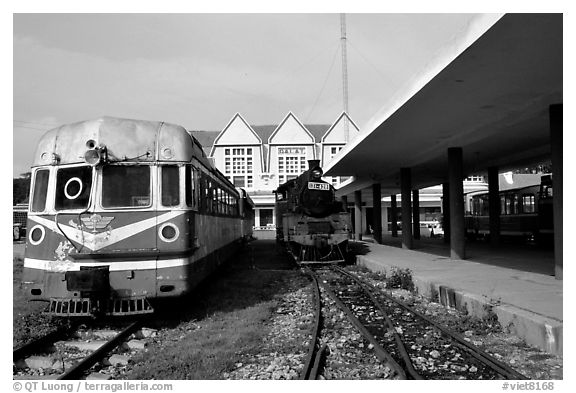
337, 129
237, 132
290, 123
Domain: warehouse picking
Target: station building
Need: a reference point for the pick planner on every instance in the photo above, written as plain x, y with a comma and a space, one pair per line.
259, 158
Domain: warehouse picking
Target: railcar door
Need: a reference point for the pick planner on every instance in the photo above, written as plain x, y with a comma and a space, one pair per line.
176, 235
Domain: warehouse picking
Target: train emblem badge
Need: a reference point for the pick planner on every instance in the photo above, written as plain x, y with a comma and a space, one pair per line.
96, 222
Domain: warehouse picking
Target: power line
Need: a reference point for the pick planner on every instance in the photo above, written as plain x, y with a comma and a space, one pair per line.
35, 123
367, 61
323, 85
32, 128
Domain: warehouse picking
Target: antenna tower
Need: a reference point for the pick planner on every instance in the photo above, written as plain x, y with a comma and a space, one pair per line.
344, 74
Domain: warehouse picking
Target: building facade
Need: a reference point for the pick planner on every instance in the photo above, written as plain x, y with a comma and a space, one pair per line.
260, 158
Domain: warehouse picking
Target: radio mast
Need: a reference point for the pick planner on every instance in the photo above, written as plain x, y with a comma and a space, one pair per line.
344, 74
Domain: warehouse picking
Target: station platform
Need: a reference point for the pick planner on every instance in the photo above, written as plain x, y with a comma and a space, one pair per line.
515, 282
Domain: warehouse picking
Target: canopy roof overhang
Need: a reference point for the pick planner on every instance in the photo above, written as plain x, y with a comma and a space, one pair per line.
491, 97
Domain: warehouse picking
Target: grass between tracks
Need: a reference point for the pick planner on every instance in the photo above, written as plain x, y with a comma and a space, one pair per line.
27, 320
222, 320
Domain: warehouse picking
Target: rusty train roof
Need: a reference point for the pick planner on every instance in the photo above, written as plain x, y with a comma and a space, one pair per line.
126, 140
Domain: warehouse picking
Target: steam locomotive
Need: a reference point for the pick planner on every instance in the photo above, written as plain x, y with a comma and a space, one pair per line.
311, 224
125, 212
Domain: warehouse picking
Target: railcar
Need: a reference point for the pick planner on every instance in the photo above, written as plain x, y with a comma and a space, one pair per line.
310, 223
525, 213
124, 212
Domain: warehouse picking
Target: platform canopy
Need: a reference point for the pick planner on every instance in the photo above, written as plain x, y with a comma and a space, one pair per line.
489, 93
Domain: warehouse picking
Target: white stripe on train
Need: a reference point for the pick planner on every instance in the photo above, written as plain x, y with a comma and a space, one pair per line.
97, 241
63, 266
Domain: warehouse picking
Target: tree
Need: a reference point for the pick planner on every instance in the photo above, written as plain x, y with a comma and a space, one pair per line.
21, 188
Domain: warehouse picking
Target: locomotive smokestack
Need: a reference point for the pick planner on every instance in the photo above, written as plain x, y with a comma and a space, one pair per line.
313, 164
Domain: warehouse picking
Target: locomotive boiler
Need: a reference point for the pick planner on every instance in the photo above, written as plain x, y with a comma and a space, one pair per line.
310, 223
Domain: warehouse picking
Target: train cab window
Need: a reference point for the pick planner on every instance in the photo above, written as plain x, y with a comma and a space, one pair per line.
170, 185
40, 190
528, 203
73, 188
125, 186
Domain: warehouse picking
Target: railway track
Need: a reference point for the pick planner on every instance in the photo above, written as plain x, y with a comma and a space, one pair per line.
409, 343
76, 356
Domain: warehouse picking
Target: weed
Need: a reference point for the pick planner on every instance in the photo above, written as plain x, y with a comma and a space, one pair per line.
400, 278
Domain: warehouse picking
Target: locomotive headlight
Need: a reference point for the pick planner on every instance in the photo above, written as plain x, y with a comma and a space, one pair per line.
95, 155
317, 173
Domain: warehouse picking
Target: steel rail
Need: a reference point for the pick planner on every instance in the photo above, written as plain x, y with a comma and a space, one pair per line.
317, 362
41, 342
409, 366
79, 369
380, 352
310, 357
476, 352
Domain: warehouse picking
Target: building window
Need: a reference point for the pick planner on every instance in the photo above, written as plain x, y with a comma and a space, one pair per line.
238, 166
477, 179
266, 217
291, 163
334, 180
239, 181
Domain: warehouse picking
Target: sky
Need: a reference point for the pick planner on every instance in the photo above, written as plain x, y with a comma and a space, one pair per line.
198, 70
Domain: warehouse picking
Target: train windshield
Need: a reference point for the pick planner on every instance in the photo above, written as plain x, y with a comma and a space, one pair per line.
125, 186
73, 186
40, 192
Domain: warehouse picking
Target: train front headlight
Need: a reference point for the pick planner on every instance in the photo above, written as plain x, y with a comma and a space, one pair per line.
95, 155
317, 173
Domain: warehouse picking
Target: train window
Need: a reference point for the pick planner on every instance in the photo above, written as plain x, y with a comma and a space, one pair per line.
191, 179
170, 185
528, 203
73, 188
208, 195
40, 190
219, 199
188, 185
125, 186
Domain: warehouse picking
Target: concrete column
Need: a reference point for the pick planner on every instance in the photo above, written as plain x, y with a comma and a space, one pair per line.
455, 176
494, 206
358, 215
344, 200
257, 217
416, 213
406, 190
556, 141
377, 212
394, 215
446, 211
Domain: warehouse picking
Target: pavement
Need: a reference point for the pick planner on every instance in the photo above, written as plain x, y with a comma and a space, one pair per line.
515, 282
